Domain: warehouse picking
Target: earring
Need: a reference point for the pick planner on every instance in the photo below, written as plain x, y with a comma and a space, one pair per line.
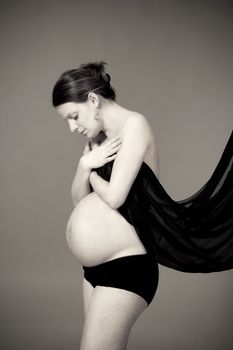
96, 114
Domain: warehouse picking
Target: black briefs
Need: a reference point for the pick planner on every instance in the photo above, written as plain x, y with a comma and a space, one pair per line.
136, 273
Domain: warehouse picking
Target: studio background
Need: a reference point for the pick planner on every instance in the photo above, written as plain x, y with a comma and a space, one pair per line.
172, 61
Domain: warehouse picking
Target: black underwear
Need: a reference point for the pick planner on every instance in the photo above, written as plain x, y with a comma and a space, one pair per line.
136, 273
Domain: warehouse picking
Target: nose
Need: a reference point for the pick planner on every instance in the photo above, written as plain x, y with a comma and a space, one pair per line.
73, 125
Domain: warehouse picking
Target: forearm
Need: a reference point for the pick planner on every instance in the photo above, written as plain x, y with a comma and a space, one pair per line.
101, 187
81, 184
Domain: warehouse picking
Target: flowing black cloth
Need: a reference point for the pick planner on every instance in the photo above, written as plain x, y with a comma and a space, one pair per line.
190, 235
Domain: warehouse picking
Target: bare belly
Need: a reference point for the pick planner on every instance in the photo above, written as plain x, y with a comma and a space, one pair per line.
97, 233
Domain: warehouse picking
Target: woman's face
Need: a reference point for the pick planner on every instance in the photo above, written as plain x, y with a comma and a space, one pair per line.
80, 117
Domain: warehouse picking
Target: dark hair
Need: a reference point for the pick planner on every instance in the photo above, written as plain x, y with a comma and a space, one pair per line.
75, 84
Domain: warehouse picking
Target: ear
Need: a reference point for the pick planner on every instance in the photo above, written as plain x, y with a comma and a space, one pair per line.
92, 97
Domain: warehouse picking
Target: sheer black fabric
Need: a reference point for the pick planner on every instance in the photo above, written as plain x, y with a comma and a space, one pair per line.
191, 235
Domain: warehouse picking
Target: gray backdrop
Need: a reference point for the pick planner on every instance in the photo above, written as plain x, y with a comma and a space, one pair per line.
170, 60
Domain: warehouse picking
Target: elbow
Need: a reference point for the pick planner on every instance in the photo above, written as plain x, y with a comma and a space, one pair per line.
74, 201
115, 202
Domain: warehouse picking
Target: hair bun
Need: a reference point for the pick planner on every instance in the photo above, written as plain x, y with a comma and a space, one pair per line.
74, 85
97, 69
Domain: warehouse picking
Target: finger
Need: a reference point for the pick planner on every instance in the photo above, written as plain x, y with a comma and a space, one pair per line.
114, 143
111, 158
113, 150
115, 139
115, 147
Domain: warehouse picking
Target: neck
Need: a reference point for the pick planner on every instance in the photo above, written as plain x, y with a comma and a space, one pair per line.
113, 117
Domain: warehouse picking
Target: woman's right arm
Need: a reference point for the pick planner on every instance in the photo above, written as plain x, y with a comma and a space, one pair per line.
81, 185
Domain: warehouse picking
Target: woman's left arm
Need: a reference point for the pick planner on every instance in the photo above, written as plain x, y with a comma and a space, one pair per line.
128, 161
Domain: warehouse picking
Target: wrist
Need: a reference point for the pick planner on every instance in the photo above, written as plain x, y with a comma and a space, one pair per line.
92, 174
83, 165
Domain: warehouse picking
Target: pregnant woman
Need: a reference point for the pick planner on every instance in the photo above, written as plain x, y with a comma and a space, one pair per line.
124, 222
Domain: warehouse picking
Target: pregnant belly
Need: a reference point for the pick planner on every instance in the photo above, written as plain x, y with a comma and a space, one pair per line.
97, 233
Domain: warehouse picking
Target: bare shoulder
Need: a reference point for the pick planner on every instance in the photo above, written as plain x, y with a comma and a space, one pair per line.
137, 117
138, 120
152, 154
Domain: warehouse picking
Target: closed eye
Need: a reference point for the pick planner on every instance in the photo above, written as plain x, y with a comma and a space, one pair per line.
72, 116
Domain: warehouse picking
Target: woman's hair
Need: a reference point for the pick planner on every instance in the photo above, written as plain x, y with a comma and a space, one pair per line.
75, 84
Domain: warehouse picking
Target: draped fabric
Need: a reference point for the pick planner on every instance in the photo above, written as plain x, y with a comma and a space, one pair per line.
190, 235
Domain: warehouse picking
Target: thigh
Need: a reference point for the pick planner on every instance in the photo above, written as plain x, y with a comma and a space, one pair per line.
88, 290
111, 315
